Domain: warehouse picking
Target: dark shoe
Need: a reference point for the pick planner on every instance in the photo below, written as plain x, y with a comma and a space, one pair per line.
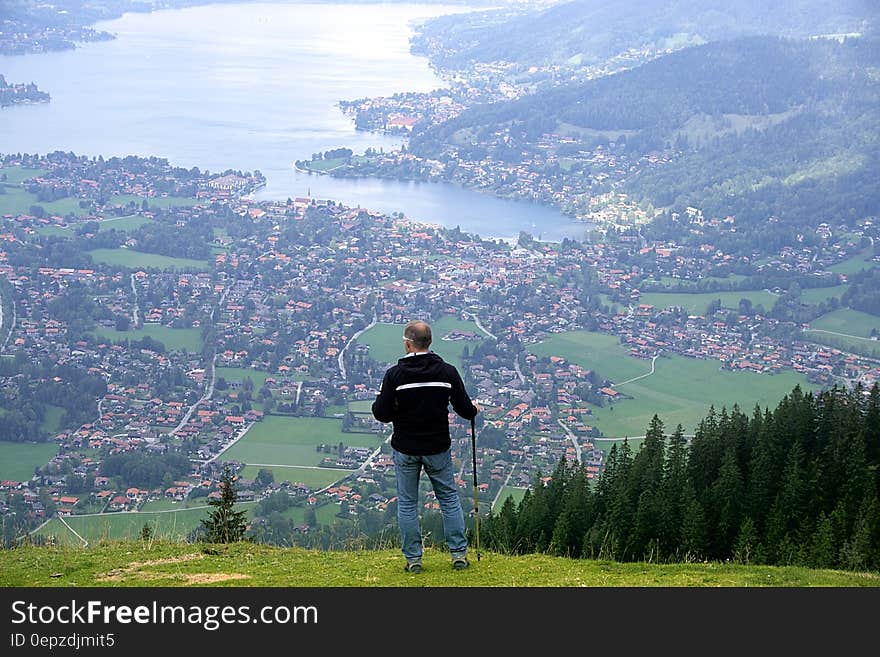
413, 567
460, 563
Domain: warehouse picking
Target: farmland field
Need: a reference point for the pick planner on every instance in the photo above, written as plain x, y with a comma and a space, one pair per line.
18, 200
596, 351
239, 374
16, 175
855, 263
140, 260
680, 390
509, 491
847, 321
161, 202
817, 294
696, 304
173, 338
314, 478
386, 344
18, 460
171, 525
282, 440
129, 222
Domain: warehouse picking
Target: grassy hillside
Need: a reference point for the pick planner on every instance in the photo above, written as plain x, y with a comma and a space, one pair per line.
178, 564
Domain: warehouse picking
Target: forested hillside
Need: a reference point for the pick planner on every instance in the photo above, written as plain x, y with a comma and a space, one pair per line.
758, 127
798, 485
586, 31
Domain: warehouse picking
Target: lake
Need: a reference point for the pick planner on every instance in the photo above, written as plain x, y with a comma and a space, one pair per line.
253, 86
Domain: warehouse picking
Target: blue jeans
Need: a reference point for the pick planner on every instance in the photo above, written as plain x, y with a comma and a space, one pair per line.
439, 470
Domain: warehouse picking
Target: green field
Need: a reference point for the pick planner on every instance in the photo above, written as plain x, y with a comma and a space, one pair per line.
52, 419
696, 304
386, 343
361, 406
856, 263
847, 321
280, 440
314, 478
127, 223
168, 525
18, 200
160, 202
18, 460
17, 175
326, 165
161, 563
239, 374
596, 351
673, 283
176, 339
680, 390
815, 295
140, 260
509, 491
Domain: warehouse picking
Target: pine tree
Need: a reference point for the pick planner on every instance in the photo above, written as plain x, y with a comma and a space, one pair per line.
224, 523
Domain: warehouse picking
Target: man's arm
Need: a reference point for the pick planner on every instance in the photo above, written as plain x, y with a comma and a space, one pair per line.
461, 402
386, 402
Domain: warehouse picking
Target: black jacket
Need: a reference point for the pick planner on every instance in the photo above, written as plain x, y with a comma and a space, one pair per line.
415, 396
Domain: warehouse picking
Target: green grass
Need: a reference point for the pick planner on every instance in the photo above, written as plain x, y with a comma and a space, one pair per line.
160, 563
166, 504
161, 202
326, 165
680, 390
596, 351
509, 491
176, 339
132, 259
361, 406
279, 440
167, 525
17, 175
847, 321
696, 304
239, 374
673, 283
18, 460
314, 478
386, 344
854, 264
18, 201
51, 423
126, 223
816, 295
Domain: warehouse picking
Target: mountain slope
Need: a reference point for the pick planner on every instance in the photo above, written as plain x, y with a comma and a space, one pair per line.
761, 126
586, 31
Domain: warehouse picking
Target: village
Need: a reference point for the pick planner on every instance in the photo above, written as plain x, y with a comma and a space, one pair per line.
288, 285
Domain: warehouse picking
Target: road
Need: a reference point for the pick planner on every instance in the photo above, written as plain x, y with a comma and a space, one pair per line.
209, 392
481, 327
503, 486
347, 344
134, 310
573, 439
11, 324
636, 378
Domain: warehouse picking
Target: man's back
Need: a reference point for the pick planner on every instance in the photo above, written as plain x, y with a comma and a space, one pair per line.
415, 396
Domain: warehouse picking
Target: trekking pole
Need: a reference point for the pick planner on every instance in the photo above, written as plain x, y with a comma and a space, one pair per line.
476, 502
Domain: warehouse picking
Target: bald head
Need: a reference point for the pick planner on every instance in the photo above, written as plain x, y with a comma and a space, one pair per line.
418, 334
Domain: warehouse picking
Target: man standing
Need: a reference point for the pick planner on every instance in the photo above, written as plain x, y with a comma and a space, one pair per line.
415, 396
